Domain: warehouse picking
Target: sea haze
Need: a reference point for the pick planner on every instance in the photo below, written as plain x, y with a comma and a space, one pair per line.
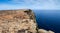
48, 19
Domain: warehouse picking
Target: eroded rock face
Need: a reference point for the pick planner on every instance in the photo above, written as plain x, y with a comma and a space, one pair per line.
18, 21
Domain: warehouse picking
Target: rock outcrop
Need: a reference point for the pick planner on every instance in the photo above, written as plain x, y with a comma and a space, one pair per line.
19, 21
44, 31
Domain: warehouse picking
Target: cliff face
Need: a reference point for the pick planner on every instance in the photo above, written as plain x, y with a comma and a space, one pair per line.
18, 21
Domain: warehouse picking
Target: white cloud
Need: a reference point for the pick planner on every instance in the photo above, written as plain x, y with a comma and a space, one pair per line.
7, 7
32, 4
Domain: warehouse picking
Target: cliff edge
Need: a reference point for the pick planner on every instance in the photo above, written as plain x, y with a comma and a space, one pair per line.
19, 21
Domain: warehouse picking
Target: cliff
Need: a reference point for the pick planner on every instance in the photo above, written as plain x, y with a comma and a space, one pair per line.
19, 21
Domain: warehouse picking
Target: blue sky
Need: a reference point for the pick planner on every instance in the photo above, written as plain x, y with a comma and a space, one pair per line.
30, 4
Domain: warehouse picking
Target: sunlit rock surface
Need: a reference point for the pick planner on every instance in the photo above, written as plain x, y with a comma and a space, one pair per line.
44, 31
19, 21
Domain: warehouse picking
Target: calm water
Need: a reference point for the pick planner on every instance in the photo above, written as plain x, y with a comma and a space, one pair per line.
48, 19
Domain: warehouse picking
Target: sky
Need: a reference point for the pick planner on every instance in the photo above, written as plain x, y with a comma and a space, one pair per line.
30, 4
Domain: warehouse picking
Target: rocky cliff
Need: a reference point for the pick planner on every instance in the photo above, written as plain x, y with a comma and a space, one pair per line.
19, 21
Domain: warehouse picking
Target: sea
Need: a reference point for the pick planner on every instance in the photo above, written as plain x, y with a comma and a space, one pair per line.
48, 19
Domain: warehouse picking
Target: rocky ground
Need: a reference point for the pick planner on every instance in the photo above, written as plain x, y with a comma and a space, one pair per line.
19, 21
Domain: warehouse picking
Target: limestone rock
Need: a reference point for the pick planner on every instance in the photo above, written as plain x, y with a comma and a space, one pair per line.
19, 21
44, 31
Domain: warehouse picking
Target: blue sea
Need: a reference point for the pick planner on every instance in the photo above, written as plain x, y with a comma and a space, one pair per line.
48, 19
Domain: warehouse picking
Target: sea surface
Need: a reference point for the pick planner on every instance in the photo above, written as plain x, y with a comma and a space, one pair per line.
48, 19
